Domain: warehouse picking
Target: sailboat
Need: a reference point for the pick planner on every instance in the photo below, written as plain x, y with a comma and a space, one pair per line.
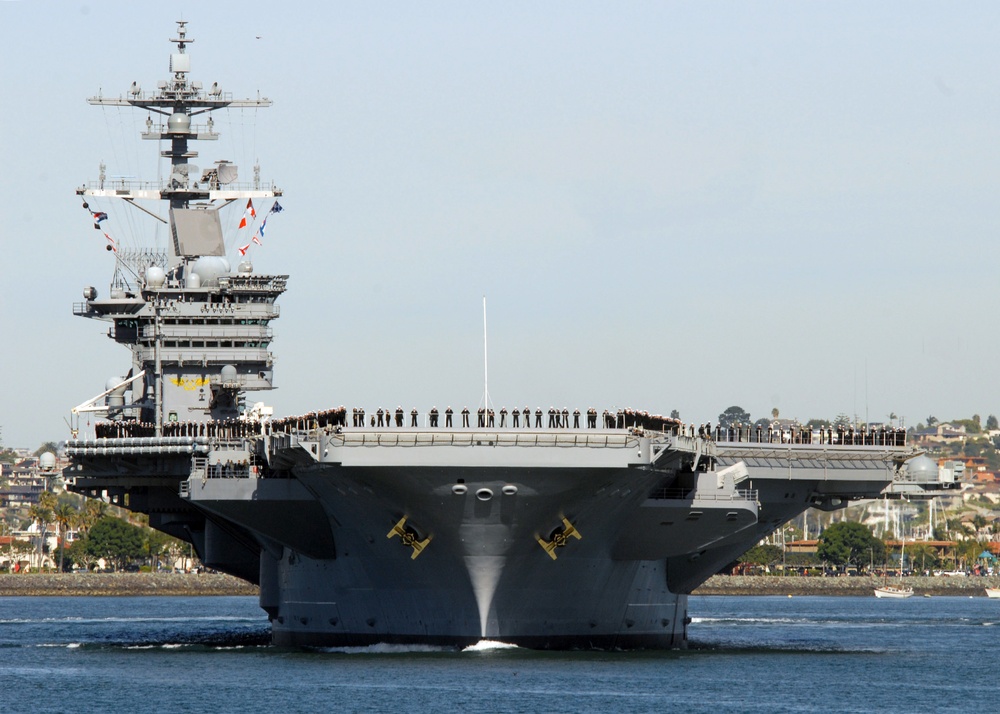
899, 591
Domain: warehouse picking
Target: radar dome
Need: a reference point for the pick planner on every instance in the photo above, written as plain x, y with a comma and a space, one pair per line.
113, 382
47, 461
179, 123
89, 292
246, 267
228, 374
155, 277
922, 468
209, 268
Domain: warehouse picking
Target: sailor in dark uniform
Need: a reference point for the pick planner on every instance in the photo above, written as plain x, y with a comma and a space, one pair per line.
503, 417
399, 416
413, 417
481, 417
538, 418
379, 415
515, 417
434, 416
489, 418
465, 417
447, 417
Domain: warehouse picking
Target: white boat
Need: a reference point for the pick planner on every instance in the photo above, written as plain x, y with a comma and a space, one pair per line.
898, 593
993, 592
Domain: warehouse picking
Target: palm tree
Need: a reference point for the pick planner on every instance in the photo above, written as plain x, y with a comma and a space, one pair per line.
65, 516
93, 511
42, 516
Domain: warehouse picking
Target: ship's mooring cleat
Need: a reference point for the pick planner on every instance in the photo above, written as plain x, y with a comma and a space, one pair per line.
409, 537
559, 538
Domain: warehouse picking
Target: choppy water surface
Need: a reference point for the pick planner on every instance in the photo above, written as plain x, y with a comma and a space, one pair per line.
751, 654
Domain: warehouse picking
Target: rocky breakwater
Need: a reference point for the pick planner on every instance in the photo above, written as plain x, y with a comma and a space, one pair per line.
123, 584
857, 585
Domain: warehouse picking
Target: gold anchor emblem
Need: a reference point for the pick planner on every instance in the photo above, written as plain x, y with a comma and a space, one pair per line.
408, 537
559, 538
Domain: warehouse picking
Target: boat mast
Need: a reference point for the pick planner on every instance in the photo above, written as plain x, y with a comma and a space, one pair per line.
486, 363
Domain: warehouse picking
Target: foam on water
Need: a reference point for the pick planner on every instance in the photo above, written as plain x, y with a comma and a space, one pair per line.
489, 645
384, 648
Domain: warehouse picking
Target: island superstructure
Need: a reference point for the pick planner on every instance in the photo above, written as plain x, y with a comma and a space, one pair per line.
551, 534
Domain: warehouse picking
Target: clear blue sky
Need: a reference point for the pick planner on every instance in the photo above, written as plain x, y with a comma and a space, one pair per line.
668, 205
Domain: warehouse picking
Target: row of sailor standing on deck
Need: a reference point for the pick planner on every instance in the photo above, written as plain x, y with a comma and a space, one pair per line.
221, 428
525, 418
837, 436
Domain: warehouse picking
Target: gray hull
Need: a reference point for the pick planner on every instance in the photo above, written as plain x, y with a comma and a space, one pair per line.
545, 539
483, 574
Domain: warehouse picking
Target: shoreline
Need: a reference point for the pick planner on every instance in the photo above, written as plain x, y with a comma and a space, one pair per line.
190, 584
852, 586
122, 584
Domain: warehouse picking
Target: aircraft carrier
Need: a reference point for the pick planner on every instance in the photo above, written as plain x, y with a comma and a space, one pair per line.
406, 526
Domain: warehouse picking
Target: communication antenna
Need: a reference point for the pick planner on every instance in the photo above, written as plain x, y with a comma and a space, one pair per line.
866, 391
486, 362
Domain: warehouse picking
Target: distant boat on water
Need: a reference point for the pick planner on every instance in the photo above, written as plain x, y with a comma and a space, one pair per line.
993, 592
900, 591
891, 591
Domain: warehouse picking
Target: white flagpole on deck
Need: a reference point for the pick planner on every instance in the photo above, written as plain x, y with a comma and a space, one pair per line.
486, 363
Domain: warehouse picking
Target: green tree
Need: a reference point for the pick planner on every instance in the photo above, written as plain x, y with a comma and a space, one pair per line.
971, 425
47, 446
992, 423
156, 545
973, 448
967, 551
762, 555
922, 557
734, 415
19, 549
77, 554
65, 515
931, 421
92, 512
42, 515
849, 543
116, 541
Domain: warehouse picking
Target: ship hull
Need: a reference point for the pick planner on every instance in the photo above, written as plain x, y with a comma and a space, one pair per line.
483, 573
583, 606
548, 540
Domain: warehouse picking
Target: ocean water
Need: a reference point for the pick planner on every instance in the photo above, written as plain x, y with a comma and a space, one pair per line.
747, 654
